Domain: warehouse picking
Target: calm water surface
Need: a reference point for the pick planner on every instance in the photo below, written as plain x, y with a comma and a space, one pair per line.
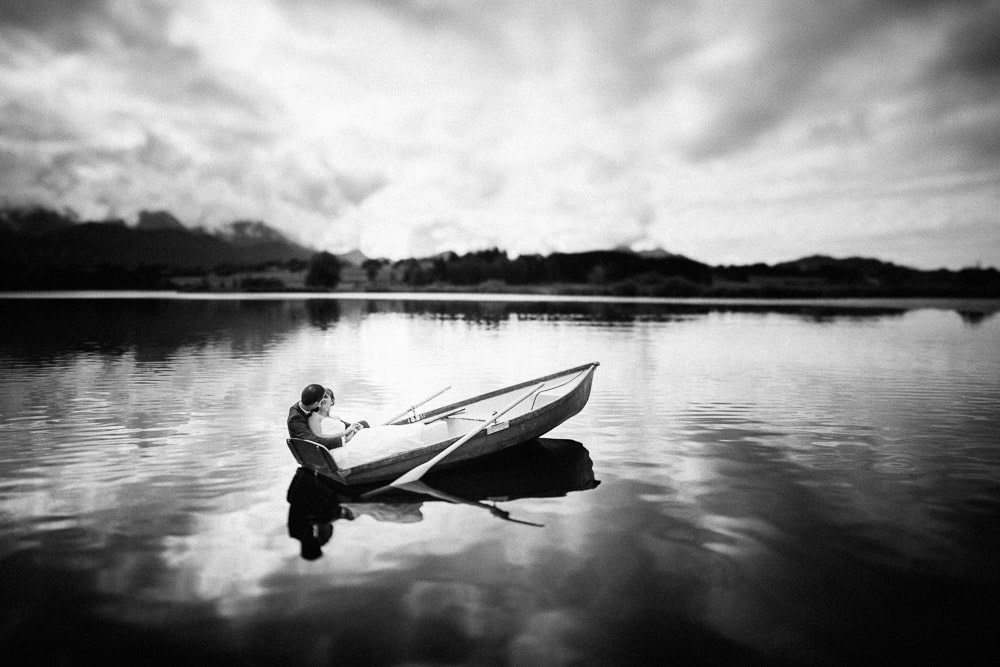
799, 484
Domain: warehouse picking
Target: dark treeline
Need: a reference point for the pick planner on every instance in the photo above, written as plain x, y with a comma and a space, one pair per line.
603, 267
43, 249
626, 273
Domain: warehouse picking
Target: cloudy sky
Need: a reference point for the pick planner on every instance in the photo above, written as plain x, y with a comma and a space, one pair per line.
731, 131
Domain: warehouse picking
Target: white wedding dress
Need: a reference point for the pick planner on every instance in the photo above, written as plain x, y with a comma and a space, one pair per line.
379, 442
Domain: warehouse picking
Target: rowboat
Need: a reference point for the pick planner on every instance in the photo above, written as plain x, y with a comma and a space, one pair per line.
456, 433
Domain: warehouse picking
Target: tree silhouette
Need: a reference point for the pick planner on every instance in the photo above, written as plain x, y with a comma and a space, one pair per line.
323, 271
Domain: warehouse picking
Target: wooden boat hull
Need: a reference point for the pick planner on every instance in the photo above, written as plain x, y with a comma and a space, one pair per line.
528, 425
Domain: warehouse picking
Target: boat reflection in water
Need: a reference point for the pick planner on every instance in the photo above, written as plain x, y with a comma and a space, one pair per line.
541, 468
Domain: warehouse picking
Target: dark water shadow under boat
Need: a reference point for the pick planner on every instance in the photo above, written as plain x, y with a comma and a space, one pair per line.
541, 468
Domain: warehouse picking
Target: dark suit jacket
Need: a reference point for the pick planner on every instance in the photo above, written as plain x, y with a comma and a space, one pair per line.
298, 427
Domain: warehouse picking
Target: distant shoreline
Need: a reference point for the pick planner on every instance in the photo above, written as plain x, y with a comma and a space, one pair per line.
985, 305
623, 290
46, 250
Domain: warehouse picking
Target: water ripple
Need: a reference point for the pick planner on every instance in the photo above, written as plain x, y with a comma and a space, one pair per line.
773, 476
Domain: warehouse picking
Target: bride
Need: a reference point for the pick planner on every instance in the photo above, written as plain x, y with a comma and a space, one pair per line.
323, 423
362, 443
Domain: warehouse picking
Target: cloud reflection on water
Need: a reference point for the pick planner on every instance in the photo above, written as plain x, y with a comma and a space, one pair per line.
811, 488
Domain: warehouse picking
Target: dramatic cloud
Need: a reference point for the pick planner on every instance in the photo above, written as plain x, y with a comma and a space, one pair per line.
731, 132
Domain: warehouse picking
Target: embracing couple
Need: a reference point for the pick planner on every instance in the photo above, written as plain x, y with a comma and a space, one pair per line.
310, 419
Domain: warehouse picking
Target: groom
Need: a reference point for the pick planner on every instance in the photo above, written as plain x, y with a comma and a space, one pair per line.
298, 418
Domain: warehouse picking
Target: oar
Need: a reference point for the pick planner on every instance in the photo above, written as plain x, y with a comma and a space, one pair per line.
416, 405
419, 471
505, 515
420, 487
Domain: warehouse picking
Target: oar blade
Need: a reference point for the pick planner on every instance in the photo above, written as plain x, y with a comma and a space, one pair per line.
522, 521
412, 475
374, 492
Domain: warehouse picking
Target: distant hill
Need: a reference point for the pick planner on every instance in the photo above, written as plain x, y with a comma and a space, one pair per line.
657, 253
154, 220
44, 249
33, 221
653, 253
624, 272
39, 248
354, 257
822, 275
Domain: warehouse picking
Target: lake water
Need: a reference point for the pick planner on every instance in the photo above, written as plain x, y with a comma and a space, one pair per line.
777, 483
